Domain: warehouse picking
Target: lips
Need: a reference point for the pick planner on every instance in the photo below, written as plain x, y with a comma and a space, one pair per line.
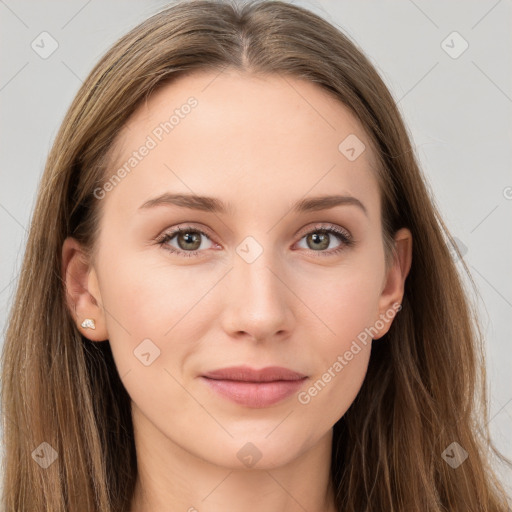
254, 388
247, 374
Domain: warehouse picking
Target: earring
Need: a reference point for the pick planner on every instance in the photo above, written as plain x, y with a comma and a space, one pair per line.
88, 323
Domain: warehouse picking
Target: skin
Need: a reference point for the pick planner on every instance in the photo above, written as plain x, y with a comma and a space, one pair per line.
259, 144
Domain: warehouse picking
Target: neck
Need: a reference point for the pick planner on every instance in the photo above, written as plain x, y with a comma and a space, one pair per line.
168, 474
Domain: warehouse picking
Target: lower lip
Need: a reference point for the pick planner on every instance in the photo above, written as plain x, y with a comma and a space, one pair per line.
255, 394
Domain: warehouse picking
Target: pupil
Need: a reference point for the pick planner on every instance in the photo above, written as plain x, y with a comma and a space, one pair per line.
320, 240
189, 238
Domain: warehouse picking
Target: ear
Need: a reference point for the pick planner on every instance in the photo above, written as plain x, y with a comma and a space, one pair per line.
82, 291
394, 282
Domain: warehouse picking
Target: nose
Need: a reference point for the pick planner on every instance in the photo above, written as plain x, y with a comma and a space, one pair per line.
257, 303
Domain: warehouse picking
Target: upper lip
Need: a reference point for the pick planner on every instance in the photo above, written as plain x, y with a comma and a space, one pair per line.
248, 374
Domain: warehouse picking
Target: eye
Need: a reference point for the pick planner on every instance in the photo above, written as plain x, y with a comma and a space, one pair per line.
318, 239
188, 239
321, 236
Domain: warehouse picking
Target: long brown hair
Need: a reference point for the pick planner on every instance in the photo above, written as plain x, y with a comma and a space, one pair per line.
425, 387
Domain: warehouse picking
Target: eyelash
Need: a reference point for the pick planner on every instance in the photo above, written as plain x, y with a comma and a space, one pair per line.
342, 235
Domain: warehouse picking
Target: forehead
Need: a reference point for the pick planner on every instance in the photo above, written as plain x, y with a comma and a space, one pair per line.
254, 140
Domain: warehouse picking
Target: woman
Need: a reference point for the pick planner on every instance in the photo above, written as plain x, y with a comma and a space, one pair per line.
237, 292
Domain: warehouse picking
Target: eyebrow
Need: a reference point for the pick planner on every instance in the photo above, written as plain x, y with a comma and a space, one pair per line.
213, 205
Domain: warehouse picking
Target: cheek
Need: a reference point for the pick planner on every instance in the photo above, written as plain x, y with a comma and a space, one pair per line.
345, 300
342, 355
348, 309
146, 294
146, 306
347, 305
146, 298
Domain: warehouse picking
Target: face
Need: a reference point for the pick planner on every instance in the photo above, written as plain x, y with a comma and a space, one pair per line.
256, 283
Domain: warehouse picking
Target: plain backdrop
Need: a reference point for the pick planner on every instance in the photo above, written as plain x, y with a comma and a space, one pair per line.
447, 63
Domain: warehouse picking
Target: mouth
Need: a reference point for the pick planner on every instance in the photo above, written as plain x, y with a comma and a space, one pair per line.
255, 388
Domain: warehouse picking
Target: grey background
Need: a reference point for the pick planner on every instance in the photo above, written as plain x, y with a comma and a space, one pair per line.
458, 111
